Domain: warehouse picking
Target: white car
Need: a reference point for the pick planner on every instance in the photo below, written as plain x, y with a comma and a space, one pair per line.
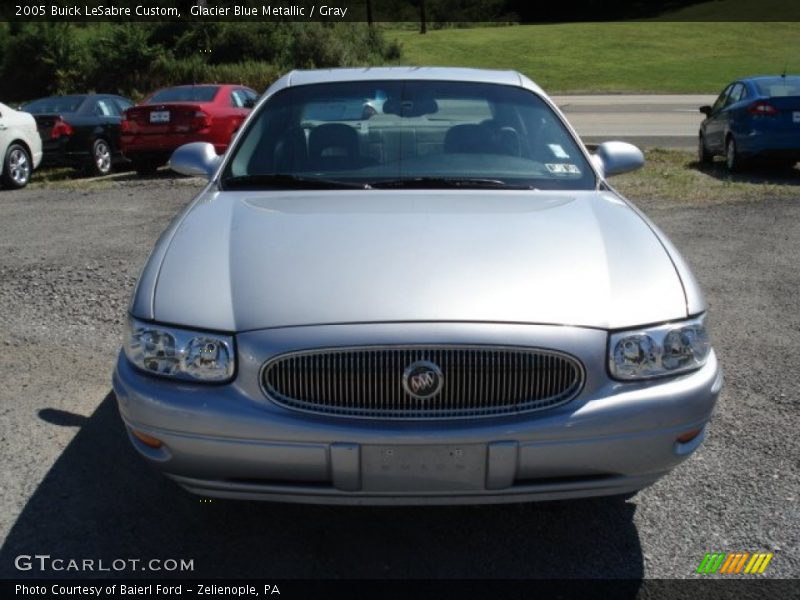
20, 147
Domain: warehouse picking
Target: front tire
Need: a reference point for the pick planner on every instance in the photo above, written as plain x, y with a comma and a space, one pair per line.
17, 167
101, 158
732, 158
703, 155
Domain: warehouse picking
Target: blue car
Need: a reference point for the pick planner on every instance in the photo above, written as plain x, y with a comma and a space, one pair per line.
753, 118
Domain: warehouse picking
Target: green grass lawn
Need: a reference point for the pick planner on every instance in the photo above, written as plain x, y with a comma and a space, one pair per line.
675, 177
649, 56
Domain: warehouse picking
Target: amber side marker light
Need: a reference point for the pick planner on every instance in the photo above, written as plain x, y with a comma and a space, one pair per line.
147, 440
689, 435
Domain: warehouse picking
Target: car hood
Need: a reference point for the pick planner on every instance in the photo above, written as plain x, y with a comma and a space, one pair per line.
240, 261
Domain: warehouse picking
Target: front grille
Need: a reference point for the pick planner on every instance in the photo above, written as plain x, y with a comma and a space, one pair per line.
472, 381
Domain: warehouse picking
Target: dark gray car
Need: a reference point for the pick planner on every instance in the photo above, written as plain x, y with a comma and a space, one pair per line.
80, 131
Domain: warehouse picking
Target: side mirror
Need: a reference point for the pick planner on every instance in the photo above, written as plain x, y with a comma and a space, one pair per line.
615, 158
249, 102
197, 158
706, 110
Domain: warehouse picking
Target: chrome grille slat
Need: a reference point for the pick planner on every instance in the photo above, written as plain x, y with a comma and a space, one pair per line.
367, 381
301, 360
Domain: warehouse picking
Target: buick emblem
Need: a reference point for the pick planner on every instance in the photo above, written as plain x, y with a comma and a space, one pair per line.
422, 379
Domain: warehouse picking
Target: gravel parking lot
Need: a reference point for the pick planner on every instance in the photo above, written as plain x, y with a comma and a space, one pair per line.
74, 488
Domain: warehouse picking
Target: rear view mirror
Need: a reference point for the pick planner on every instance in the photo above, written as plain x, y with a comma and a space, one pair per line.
195, 159
706, 110
416, 107
615, 158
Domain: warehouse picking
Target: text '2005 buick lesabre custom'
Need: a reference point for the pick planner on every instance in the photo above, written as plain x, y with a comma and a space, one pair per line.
413, 285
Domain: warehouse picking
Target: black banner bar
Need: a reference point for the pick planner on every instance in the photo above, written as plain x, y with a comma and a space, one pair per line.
415, 589
393, 11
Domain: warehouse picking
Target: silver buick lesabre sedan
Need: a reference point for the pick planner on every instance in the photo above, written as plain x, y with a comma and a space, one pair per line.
438, 300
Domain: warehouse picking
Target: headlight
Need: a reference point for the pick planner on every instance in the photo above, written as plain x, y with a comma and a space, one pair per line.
179, 353
659, 351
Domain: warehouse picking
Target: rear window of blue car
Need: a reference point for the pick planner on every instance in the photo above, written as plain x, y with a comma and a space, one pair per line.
199, 93
779, 86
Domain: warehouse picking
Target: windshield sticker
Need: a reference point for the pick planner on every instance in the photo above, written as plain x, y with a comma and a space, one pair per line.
563, 168
557, 151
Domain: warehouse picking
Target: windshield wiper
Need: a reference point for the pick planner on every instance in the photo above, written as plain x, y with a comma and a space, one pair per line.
286, 180
446, 183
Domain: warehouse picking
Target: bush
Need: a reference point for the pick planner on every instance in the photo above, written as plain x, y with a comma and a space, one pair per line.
315, 45
41, 59
239, 42
168, 71
322, 45
254, 74
133, 59
129, 48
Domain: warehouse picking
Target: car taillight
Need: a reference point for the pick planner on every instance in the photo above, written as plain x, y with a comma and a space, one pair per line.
61, 127
762, 109
201, 120
125, 125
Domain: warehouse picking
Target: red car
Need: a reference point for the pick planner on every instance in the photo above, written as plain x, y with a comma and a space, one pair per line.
179, 115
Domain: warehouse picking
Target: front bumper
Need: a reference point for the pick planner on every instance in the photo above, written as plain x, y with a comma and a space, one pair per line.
230, 441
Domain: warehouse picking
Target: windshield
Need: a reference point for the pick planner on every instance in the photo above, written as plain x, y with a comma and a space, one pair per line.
56, 104
204, 93
407, 133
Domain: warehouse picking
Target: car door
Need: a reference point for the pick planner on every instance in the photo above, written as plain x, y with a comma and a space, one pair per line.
241, 107
5, 130
714, 129
729, 111
250, 98
108, 116
735, 112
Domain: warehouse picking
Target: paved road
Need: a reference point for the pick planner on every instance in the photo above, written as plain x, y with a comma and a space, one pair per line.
667, 121
73, 487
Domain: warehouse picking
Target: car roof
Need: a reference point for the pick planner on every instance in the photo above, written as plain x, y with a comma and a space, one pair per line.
193, 85
63, 96
87, 96
755, 78
312, 76
201, 85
